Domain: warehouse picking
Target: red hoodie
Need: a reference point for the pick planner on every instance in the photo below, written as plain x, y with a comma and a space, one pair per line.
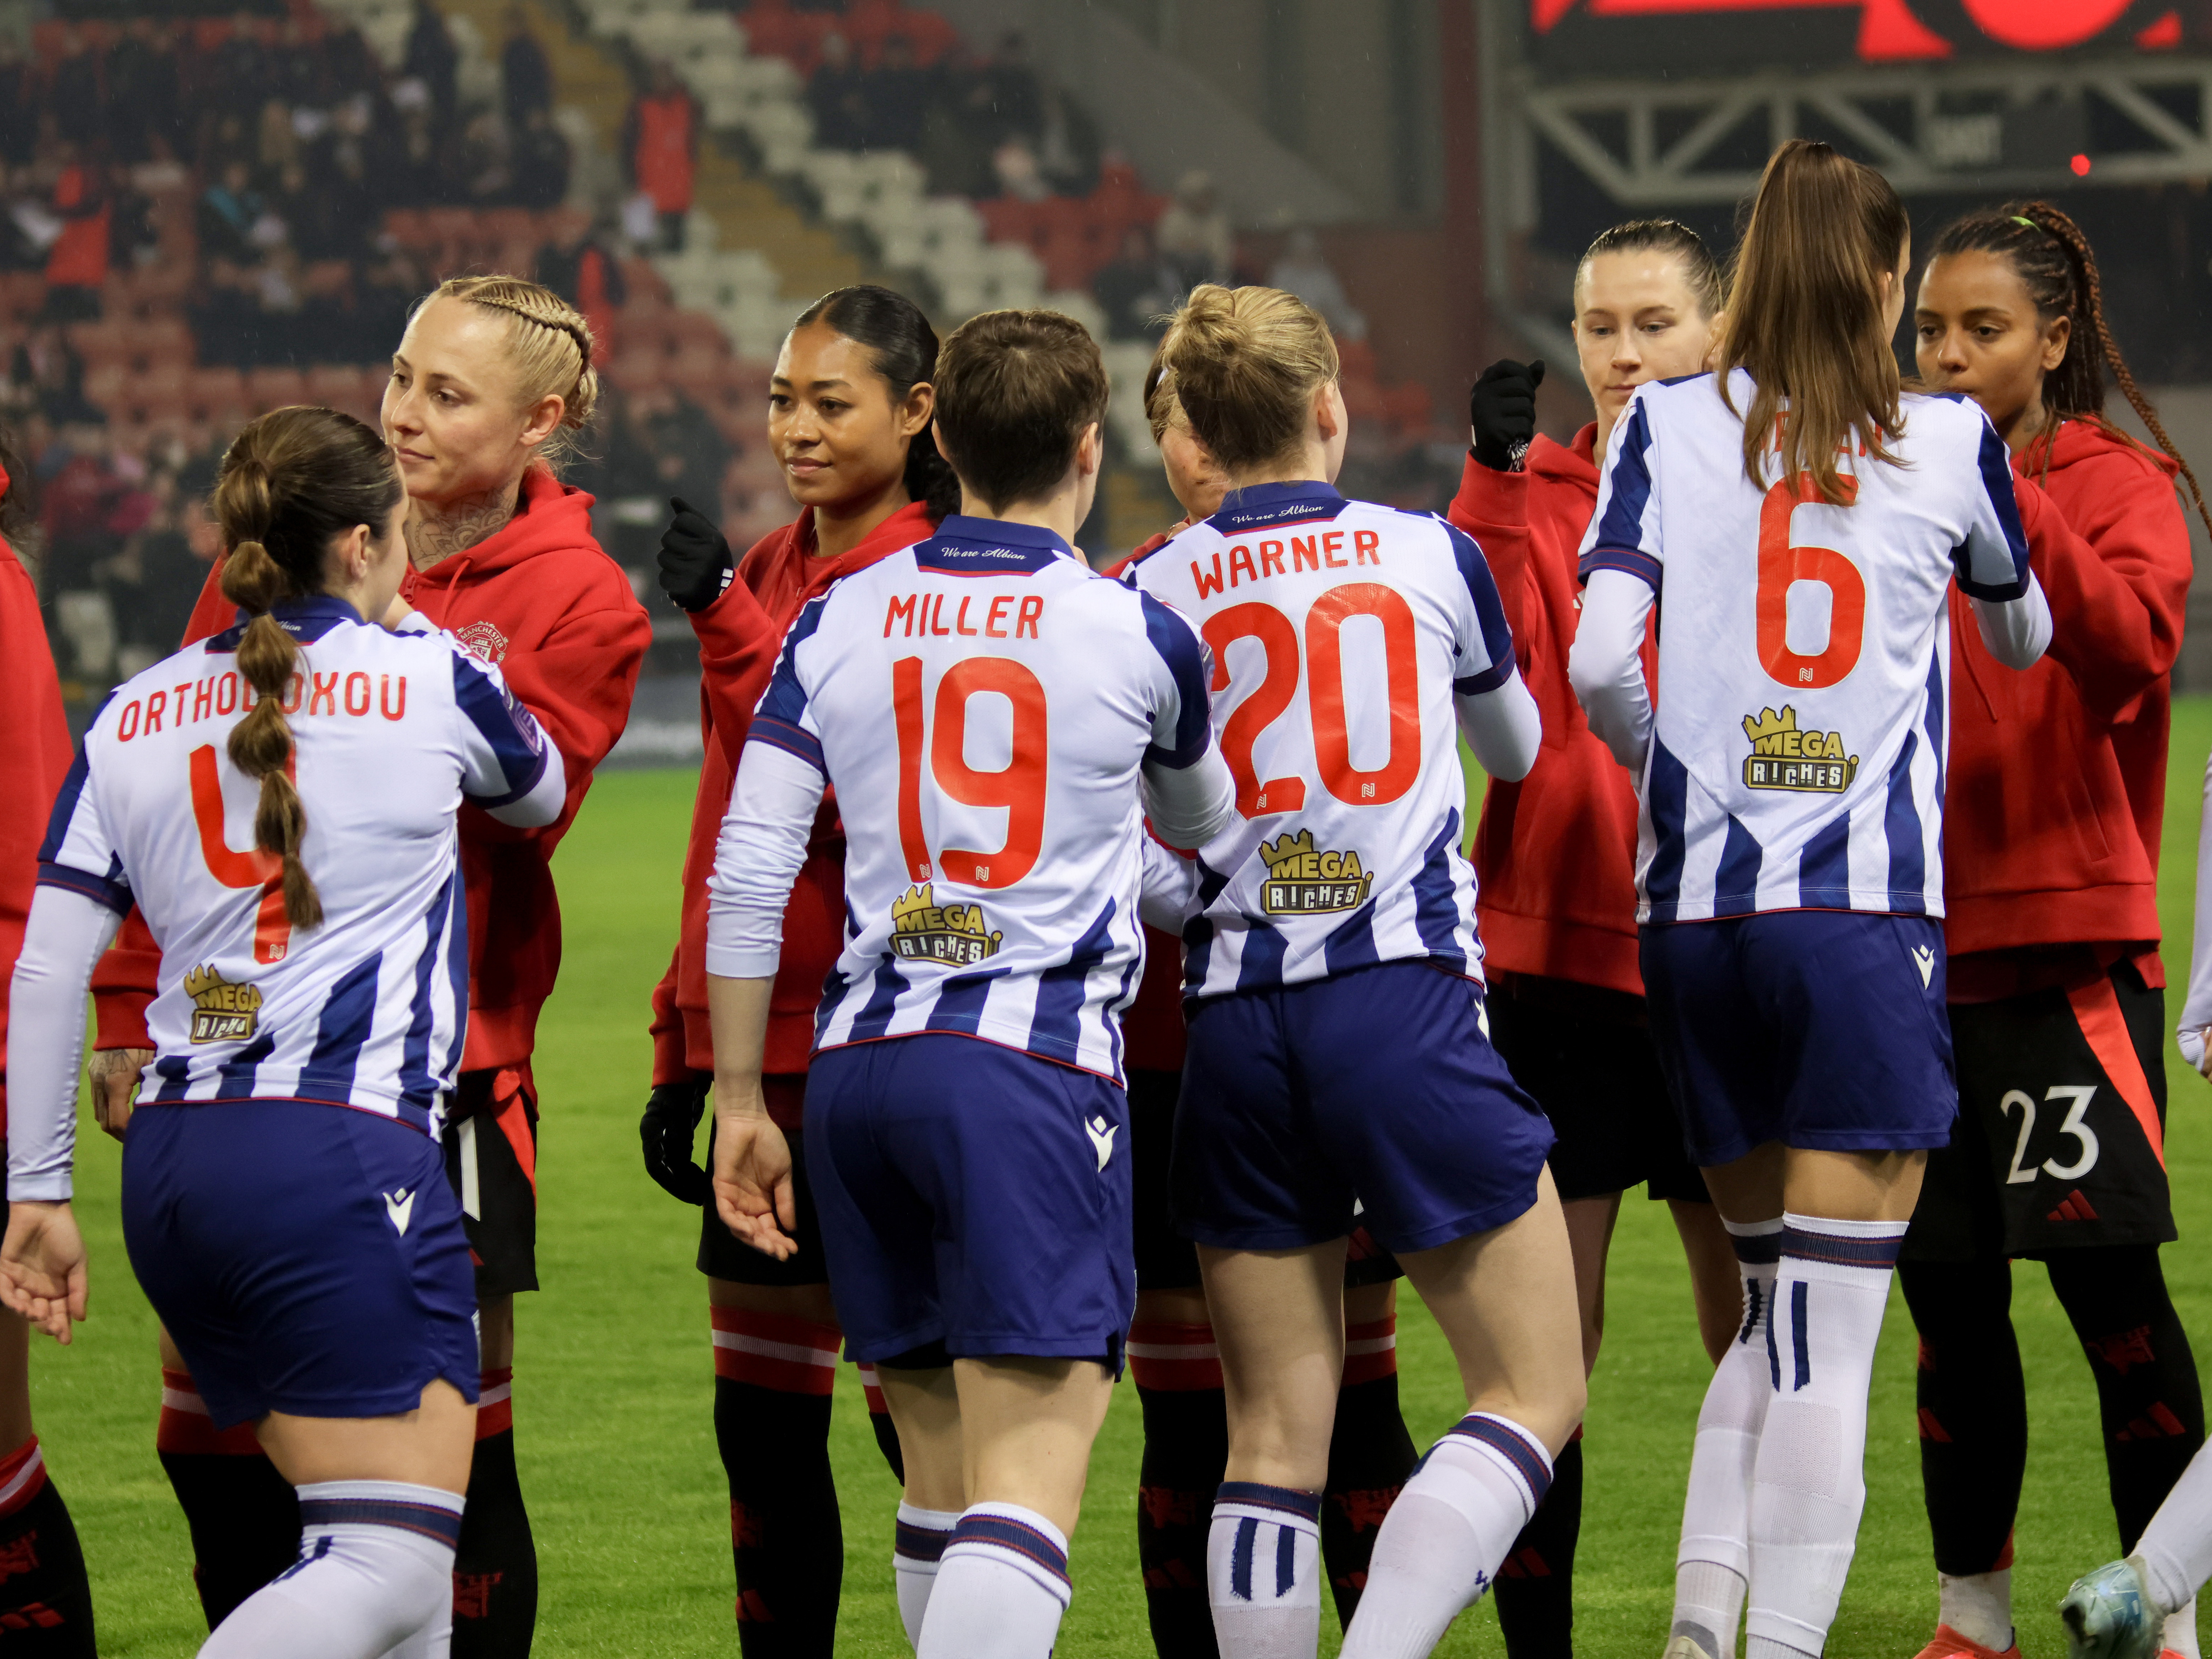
1555, 854
740, 636
34, 758
2057, 775
557, 614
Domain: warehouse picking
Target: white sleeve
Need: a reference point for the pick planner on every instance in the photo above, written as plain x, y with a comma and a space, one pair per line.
773, 802
64, 939
1171, 883
1605, 663
2197, 1007
508, 765
1189, 805
1504, 727
2016, 631
1189, 795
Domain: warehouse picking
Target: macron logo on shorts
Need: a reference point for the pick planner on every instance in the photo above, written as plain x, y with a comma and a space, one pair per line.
1924, 959
400, 1207
1102, 1138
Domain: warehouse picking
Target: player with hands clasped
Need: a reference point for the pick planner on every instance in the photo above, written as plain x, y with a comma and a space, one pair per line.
1791, 868
284, 1200
997, 722
1352, 646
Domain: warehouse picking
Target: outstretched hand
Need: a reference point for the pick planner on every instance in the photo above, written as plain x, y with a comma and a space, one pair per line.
752, 1182
695, 560
42, 1267
1501, 412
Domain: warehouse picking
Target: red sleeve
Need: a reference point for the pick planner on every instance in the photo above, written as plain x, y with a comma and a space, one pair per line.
667, 1030
34, 758
1492, 506
738, 645
578, 682
123, 981
2116, 569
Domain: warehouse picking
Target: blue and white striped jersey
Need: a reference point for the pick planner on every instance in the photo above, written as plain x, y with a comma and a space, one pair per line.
1341, 632
390, 733
1796, 760
984, 706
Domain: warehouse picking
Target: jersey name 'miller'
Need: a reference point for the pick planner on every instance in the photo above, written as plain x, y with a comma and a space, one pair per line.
923, 614
1319, 552
227, 693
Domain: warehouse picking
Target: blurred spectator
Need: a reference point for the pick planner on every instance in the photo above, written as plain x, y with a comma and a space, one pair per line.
661, 151
483, 162
434, 59
76, 90
1014, 165
526, 74
78, 265
577, 265
142, 84
153, 582
1007, 99
543, 162
688, 449
836, 93
237, 71
1302, 270
20, 103
1193, 235
45, 373
1135, 288
229, 210
898, 97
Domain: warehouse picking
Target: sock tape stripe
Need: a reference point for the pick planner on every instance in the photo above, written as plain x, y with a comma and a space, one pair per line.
1798, 1339
1305, 1505
1018, 1538
1240, 1558
1287, 1561
1838, 1251
1757, 1249
1773, 1359
1525, 1459
426, 1520
919, 1543
1754, 1299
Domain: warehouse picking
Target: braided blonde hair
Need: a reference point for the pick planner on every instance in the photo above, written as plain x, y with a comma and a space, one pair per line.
551, 344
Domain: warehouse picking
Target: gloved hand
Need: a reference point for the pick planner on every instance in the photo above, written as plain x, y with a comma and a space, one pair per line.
695, 560
672, 1117
1502, 409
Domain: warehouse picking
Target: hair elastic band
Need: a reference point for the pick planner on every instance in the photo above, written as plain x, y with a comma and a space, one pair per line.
2022, 219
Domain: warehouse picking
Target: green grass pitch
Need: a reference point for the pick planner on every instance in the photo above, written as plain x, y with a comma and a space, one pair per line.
614, 1376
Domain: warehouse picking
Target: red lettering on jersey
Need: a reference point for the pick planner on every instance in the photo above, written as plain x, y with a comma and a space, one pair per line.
960, 620
350, 708
154, 705
202, 698
998, 607
384, 697
1240, 558
1271, 558
126, 725
1303, 554
226, 695
324, 698
899, 611
906, 713
1030, 614
181, 699
1198, 575
295, 693
1330, 545
1363, 545
937, 616
272, 928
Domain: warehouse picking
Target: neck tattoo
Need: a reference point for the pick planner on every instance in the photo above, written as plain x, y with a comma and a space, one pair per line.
435, 533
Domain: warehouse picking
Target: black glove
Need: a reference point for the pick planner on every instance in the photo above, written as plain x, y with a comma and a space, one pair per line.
1502, 409
671, 1115
694, 560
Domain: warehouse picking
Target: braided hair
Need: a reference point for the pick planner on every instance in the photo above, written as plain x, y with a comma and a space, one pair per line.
552, 347
2052, 258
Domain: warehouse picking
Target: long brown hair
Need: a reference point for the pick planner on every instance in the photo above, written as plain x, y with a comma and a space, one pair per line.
1804, 316
2053, 259
291, 482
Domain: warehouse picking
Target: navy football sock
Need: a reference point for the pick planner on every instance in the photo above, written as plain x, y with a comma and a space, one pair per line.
1535, 1585
45, 1603
1371, 1456
1178, 1378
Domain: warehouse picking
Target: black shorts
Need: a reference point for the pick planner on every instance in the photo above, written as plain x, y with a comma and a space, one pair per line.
1166, 1261
722, 1255
1587, 1056
491, 1159
2062, 1126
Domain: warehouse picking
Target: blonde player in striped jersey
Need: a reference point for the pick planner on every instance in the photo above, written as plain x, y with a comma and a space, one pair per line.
1339, 1071
1806, 522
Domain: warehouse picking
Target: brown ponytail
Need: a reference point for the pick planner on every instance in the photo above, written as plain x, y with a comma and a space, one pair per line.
1246, 363
291, 482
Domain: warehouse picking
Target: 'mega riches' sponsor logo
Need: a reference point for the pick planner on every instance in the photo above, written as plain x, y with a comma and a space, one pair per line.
1783, 757
1301, 882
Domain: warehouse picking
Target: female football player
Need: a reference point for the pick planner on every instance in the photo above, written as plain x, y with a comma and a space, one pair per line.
1352, 644
1556, 852
1172, 1352
489, 385
34, 752
1806, 520
2056, 999
282, 1194
848, 421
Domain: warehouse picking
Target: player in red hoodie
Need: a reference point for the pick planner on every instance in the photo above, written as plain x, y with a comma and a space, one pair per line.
2057, 783
45, 1603
848, 421
1172, 1354
492, 376
1555, 854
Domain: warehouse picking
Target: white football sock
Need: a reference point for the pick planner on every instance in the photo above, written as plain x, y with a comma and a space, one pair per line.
1978, 1606
375, 1573
1001, 1586
1447, 1534
1712, 1565
2181, 1631
919, 1544
1808, 1486
2175, 1550
1263, 1571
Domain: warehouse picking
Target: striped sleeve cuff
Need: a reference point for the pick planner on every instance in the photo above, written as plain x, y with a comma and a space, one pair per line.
1474, 685
1634, 560
113, 894
792, 740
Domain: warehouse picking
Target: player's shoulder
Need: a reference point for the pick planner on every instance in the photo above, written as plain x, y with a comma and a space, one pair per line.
1942, 418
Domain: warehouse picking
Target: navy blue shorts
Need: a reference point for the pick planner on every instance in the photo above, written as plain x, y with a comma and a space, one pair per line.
1371, 1098
307, 1258
1821, 1029
973, 1195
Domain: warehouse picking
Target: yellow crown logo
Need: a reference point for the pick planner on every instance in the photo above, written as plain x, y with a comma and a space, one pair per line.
225, 1011
1769, 724
911, 902
1283, 848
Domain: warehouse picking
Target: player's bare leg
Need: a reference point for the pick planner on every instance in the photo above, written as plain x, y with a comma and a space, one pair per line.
1505, 1302
1715, 1284
44, 1586
1817, 1233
